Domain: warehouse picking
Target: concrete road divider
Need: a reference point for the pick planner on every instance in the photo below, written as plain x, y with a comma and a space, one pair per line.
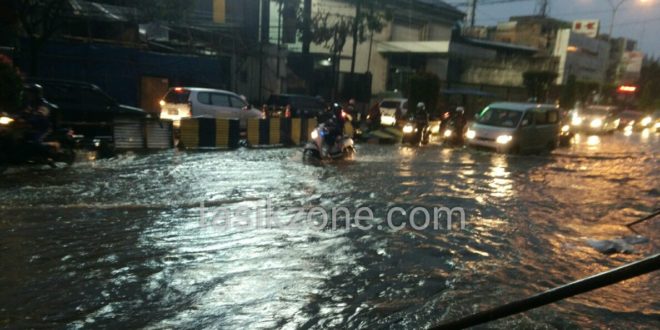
209, 133
279, 131
138, 134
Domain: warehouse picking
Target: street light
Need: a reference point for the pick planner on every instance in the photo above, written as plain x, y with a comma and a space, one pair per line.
615, 7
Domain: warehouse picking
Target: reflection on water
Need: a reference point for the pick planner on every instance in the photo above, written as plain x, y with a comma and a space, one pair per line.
122, 245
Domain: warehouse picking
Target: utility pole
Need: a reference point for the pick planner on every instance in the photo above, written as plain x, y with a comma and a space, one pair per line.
356, 24
542, 7
472, 4
308, 63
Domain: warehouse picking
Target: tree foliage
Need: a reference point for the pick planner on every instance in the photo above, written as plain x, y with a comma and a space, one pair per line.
538, 84
424, 87
10, 86
649, 83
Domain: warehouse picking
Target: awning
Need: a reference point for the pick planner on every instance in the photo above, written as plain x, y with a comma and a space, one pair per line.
414, 47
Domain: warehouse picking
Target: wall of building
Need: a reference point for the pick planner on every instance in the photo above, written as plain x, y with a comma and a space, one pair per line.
586, 58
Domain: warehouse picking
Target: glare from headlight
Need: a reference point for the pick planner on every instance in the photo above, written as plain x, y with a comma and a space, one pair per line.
576, 121
596, 123
315, 134
470, 134
565, 129
6, 120
447, 133
407, 129
646, 121
657, 125
504, 139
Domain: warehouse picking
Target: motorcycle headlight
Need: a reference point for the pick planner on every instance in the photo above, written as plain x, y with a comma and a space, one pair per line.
407, 129
576, 121
646, 121
565, 129
6, 120
315, 134
470, 134
504, 139
447, 133
596, 123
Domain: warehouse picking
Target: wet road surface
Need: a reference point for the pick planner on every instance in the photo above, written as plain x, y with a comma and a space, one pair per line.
124, 242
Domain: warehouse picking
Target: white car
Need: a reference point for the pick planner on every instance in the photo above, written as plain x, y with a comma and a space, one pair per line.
515, 127
388, 108
192, 102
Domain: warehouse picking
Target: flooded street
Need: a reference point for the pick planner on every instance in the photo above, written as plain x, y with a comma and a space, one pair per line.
124, 242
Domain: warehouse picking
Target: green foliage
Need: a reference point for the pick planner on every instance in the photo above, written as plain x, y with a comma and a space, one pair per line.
424, 87
649, 83
10, 86
568, 91
538, 84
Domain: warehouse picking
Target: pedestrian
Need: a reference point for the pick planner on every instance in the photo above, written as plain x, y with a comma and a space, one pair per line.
264, 111
287, 111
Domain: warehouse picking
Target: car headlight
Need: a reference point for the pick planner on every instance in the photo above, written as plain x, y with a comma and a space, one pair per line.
447, 133
565, 128
504, 139
646, 121
596, 123
576, 121
407, 129
315, 134
470, 134
657, 124
6, 120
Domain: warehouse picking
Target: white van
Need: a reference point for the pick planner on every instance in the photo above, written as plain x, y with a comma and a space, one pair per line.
187, 102
515, 127
388, 109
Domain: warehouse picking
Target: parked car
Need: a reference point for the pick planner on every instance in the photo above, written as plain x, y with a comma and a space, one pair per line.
301, 105
191, 102
595, 119
515, 127
389, 108
86, 109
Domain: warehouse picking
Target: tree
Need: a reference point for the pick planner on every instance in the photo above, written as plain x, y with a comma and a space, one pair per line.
10, 86
40, 20
424, 87
538, 84
568, 91
332, 30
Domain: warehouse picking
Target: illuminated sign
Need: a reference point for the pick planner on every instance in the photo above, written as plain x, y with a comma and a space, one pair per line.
627, 89
588, 27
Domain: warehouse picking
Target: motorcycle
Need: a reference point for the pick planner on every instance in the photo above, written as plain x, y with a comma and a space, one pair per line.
58, 146
318, 148
452, 135
416, 132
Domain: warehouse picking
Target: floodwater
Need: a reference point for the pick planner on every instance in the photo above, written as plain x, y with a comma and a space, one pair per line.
124, 242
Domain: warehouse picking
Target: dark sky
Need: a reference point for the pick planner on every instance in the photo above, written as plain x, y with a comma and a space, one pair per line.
635, 19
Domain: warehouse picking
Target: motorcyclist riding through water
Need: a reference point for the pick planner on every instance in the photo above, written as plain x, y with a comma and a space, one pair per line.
27, 137
327, 140
455, 127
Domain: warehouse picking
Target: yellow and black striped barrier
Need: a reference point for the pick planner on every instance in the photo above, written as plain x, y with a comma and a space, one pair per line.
279, 131
209, 133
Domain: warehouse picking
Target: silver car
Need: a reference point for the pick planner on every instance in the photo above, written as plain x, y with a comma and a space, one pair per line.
191, 102
515, 127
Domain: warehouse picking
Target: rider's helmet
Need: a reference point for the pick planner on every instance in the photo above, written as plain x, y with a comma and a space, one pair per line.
460, 110
421, 106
